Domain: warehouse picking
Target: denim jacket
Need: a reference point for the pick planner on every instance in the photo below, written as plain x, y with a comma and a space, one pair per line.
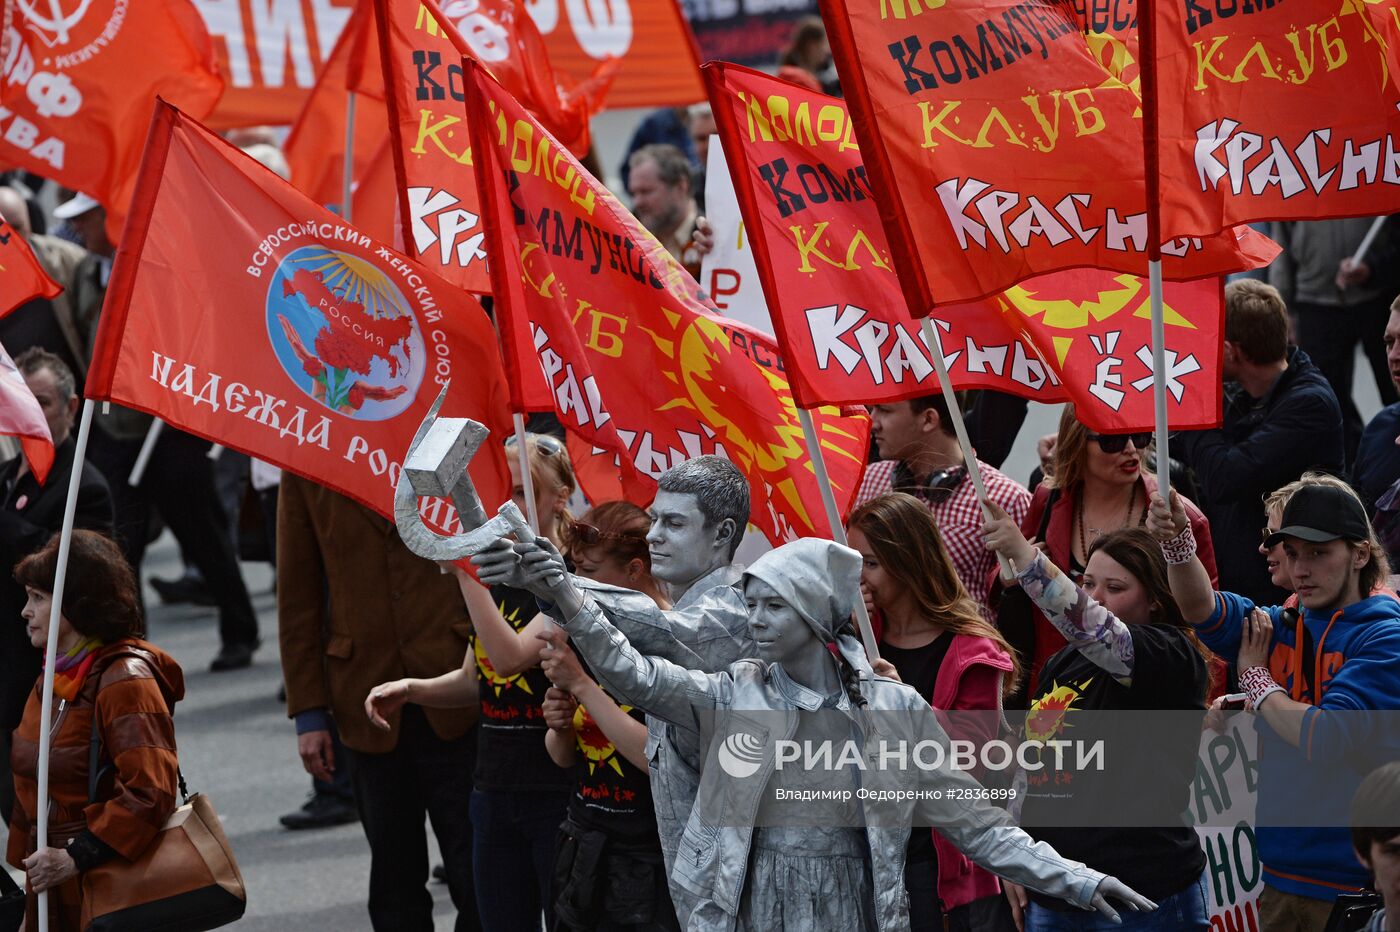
712, 860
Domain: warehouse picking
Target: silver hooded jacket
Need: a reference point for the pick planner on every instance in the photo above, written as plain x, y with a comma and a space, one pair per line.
712, 859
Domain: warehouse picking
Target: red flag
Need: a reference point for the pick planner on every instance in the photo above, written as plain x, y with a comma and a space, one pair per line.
270, 55
637, 363
21, 416
651, 40
999, 148
21, 277
79, 81
316, 145
1283, 112
421, 47
301, 341
841, 320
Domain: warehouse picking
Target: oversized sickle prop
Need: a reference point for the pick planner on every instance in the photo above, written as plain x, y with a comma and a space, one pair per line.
436, 467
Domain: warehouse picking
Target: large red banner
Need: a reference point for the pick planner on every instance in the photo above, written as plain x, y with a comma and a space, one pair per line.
638, 364
21, 277
999, 147
1284, 111
298, 339
315, 147
79, 81
421, 45
270, 52
841, 319
659, 65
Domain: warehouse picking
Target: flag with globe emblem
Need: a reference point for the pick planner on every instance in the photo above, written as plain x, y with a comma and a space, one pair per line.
242, 311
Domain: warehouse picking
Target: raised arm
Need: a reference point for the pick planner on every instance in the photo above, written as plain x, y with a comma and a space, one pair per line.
676, 636
561, 665
1090, 627
1189, 578
510, 651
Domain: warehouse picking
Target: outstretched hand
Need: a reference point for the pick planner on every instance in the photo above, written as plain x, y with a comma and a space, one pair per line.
384, 700
1165, 521
1002, 535
1118, 890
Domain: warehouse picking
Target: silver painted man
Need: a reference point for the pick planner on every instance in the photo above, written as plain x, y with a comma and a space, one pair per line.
697, 521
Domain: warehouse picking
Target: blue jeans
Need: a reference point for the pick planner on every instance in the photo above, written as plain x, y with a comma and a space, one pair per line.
513, 836
1180, 912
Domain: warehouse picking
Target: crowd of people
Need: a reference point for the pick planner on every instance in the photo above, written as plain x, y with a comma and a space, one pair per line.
544, 712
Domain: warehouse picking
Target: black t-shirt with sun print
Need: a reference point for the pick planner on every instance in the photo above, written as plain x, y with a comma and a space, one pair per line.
1168, 674
510, 751
612, 794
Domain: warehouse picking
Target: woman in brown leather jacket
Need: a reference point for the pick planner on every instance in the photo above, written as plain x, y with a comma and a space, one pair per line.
103, 670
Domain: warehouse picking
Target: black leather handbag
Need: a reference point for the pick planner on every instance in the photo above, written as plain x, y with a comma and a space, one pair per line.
11, 903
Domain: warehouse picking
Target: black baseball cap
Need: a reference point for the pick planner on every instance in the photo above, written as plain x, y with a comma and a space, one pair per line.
1320, 513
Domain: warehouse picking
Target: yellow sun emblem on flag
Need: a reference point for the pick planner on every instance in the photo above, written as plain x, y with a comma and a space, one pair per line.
1072, 302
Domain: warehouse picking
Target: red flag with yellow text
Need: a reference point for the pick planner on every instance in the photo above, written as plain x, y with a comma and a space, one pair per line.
651, 40
840, 316
21, 277
638, 363
422, 47
1275, 111
242, 311
270, 54
315, 147
999, 147
79, 81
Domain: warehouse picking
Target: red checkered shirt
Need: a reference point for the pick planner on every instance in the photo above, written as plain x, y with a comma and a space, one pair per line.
959, 519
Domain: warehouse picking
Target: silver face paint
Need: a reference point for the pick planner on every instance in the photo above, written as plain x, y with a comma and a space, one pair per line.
682, 547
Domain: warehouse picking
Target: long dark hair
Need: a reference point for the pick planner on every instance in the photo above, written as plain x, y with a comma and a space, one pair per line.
906, 540
1139, 553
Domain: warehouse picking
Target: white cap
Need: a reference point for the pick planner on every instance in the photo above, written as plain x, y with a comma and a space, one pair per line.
79, 205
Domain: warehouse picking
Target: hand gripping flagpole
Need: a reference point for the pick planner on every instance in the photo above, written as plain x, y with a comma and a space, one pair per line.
833, 517
1147, 41
65, 540
945, 383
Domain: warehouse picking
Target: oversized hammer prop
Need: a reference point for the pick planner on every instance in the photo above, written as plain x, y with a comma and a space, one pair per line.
436, 466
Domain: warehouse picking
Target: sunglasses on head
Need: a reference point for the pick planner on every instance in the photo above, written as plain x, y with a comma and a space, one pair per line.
548, 445
587, 535
1117, 443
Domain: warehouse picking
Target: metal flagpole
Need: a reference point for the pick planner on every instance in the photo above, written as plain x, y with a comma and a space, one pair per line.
833, 517
531, 509
1159, 377
70, 509
1371, 235
974, 472
347, 174
148, 446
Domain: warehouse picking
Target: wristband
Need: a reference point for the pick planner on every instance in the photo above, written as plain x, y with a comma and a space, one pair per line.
1258, 685
1181, 549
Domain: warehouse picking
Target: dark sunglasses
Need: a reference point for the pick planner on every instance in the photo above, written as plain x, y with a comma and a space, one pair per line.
587, 535
1117, 443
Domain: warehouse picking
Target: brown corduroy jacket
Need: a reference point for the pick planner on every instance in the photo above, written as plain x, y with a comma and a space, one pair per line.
356, 608
132, 688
